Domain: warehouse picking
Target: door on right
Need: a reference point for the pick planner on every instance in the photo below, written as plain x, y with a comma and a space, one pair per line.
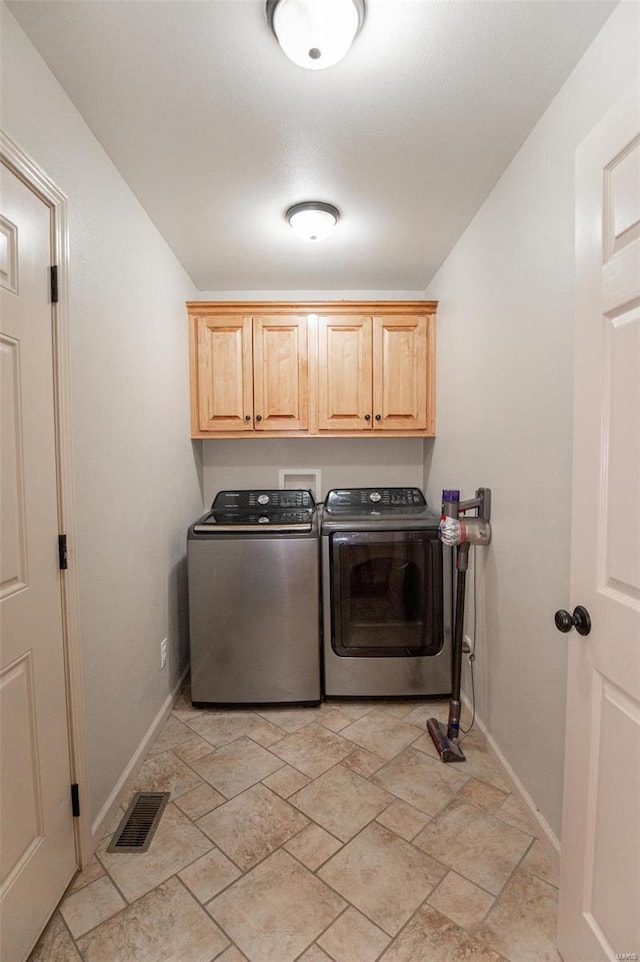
599, 911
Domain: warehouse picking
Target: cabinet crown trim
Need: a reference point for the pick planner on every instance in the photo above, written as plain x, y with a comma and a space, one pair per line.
311, 307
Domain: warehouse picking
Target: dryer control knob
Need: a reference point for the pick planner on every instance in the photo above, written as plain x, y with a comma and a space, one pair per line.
375, 496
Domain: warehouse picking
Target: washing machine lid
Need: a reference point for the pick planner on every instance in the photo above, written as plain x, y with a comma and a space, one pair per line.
259, 510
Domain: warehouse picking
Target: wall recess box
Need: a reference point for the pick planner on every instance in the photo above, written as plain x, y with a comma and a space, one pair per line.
307, 478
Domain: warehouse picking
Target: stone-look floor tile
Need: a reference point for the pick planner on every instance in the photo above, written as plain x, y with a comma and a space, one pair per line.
538, 861
166, 925
192, 748
381, 733
315, 954
172, 733
432, 937
398, 707
93, 904
289, 719
112, 823
426, 783
513, 812
425, 744
313, 750
461, 901
481, 763
383, 876
236, 766
363, 762
274, 912
342, 802
333, 718
354, 709
482, 794
232, 954
352, 938
522, 925
176, 843
252, 825
405, 820
286, 781
92, 871
475, 844
436, 708
313, 846
55, 944
209, 875
162, 773
220, 728
199, 801
266, 733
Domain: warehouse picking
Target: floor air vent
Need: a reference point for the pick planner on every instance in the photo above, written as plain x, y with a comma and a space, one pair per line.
139, 823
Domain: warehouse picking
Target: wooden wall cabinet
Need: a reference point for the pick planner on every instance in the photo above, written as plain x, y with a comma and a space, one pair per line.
334, 369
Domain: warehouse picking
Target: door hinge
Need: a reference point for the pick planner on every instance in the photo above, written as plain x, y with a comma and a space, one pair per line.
75, 800
54, 284
62, 551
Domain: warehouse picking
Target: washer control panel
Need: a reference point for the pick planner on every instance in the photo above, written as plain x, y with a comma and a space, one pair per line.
251, 500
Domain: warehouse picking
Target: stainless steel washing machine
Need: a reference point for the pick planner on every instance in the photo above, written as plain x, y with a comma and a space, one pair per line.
254, 622
386, 592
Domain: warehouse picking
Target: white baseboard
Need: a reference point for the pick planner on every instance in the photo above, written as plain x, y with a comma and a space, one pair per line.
518, 788
108, 810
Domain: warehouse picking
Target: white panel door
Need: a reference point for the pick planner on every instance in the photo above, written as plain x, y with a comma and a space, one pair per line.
599, 913
37, 850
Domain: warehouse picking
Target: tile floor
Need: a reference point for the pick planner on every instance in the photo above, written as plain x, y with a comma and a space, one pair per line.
330, 834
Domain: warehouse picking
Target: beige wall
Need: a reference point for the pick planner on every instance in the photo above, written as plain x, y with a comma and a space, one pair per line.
136, 474
344, 462
505, 328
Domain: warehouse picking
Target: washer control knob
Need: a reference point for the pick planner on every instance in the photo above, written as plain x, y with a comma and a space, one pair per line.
375, 496
263, 499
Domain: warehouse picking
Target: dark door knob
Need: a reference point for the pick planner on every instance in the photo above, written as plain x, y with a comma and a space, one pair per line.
580, 620
247, 417
258, 417
367, 417
378, 417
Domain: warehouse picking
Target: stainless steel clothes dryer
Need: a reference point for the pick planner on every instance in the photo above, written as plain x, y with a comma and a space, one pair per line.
386, 590
254, 623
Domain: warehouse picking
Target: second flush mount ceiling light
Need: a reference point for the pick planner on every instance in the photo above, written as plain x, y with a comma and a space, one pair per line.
312, 219
315, 33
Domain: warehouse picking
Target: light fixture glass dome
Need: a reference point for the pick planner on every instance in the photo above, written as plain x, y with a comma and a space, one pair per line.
315, 33
313, 220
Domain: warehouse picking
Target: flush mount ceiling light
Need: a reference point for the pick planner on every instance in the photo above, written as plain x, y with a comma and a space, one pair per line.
313, 220
315, 33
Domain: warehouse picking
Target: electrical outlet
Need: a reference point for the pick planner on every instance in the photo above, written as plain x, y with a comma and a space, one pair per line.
164, 652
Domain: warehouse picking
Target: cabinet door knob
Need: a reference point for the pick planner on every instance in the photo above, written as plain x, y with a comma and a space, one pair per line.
367, 417
378, 417
247, 417
580, 620
258, 417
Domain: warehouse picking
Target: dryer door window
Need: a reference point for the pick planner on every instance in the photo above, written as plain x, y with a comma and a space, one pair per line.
386, 593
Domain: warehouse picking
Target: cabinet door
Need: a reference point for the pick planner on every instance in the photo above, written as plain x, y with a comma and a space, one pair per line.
280, 373
345, 373
402, 373
224, 374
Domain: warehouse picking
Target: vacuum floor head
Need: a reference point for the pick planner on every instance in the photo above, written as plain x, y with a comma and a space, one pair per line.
448, 748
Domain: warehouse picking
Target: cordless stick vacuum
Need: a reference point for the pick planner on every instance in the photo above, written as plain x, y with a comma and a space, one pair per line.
459, 533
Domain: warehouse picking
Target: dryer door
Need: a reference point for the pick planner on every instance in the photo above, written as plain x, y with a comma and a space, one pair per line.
386, 593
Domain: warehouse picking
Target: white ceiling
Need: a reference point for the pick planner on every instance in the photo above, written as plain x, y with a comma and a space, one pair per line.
217, 132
